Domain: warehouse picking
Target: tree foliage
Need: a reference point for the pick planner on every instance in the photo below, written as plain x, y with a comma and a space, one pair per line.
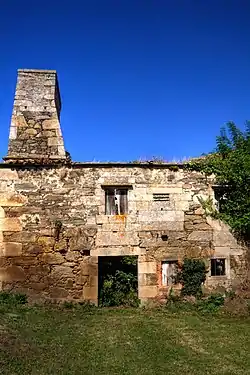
230, 162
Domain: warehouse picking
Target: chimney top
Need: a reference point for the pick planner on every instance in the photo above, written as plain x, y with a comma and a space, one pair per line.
35, 131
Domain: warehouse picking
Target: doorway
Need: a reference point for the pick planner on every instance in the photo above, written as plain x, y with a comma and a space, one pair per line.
118, 281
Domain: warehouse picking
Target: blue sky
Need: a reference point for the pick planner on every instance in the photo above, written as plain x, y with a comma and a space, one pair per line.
138, 78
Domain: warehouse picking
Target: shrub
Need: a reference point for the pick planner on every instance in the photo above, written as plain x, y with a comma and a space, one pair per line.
211, 304
191, 275
68, 305
13, 298
119, 290
173, 297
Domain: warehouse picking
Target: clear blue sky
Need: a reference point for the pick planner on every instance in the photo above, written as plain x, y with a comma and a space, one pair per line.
137, 78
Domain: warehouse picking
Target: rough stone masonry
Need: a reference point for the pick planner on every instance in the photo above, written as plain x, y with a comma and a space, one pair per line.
58, 217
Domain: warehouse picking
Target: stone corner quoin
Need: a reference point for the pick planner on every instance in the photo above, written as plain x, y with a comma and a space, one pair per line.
57, 218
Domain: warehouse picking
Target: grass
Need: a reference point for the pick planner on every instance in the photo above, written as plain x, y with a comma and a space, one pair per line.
47, 340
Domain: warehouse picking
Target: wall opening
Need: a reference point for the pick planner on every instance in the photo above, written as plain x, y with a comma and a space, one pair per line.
117, 281
116, 201
218, 267
169, 271
161, 197
164, 237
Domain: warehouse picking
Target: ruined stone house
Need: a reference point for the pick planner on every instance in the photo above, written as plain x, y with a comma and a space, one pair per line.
59, 218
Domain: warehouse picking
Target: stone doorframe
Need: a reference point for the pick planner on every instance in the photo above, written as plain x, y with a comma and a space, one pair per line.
146, 269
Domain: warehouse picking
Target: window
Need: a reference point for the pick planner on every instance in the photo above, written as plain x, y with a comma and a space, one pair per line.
161, 197
218, 267
220, 195
116, 201
169, 272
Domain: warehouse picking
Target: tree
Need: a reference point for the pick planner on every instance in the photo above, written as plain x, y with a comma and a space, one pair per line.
230, 162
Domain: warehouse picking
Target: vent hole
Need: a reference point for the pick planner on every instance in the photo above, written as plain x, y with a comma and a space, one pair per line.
161, 197
85, 252
164, 237
63, 251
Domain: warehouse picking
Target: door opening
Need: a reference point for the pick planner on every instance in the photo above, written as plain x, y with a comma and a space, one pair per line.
117, 281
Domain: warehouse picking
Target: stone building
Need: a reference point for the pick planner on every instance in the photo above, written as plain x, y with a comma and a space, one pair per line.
59, 218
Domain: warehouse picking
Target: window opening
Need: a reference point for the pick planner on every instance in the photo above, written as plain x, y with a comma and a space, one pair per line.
218, 267
116, 201
169, 272
220, 195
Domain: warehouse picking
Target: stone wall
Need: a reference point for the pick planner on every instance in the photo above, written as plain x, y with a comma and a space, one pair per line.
53, 227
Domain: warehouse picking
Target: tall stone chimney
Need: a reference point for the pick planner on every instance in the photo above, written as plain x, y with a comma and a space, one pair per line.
35, 131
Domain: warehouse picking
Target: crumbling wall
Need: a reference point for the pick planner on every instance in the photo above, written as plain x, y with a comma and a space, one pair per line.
53, 227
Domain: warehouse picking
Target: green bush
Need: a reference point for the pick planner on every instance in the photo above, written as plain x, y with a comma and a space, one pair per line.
119, 290
173, 297
78, 306
68, 305
191, 275
13, 298
211, 304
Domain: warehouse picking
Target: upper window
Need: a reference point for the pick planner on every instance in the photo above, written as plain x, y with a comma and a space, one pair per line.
116, 201
169, 272
218, 267
220, 195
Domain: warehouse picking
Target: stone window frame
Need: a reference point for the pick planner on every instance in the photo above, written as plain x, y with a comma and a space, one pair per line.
118, 186
227, 268
219, 194
163, 285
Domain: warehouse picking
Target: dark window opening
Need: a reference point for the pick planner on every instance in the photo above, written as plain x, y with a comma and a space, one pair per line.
218, 267
169, 271
161, 197
220, 195
116, 201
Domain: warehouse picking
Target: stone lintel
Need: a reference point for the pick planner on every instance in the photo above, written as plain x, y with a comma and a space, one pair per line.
117, 251
147, 267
